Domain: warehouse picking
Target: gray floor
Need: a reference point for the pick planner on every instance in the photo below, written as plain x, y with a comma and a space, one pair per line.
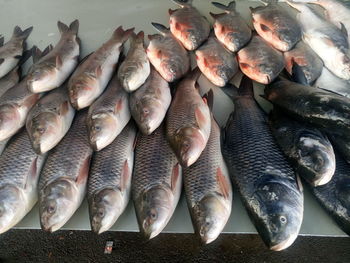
84, 246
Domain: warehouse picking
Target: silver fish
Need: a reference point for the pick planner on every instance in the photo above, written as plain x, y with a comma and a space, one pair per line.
167, 54
276, 25
9, 80
188, 121
135, 68
216, 63
108, 115
328, 41
309, 62
149, 104
156, 182
55, 67
49, 120
188, 25
208, 189
109, 182
329, 81
12, 51
259, 61
63, 181
230, 28
20, 168
91, 77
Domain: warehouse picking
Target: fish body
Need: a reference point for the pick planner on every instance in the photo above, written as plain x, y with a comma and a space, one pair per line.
328, 41
259, 61
63, 180
266, 182
49, 120
308, 149
342, 145
19, 175
188, 25
328, 81
167, 54
12, 51
110, 180
323, 109
15, 104
309, 62
156, 182
55, 67
334, 196
108, 115
230, 28
149, 104
135, 69
216, 63
9, 80
276, 25
208, 189
188, 121
91, 77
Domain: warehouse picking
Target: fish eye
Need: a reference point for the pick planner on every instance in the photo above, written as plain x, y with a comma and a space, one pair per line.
283, 219
153, 215
41, 130
145, 110
101, 213
97, 128
51, 209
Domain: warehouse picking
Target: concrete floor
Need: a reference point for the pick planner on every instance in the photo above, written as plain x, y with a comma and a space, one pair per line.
85, 246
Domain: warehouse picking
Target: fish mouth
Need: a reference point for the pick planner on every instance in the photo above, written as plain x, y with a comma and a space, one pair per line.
284, 244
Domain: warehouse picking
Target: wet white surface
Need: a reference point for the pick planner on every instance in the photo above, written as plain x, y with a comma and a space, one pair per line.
98, 19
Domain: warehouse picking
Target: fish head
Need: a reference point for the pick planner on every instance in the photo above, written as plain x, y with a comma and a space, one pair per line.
188, 145
57, 203
155, 211
211, 215
82, 91
40, 79
279, 211
105, 207
317, 159
101, 130
149, 115
43, 131
170, 70
11, 206
10, 118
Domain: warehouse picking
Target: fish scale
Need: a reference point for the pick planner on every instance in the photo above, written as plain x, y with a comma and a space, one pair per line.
261, 173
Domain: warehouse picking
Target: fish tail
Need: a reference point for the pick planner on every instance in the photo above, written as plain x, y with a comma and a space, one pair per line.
160, 28
18, 33
139, 37
183, 3
246, 87
122, 35
195, 74
74, 26
230, 7
230, 90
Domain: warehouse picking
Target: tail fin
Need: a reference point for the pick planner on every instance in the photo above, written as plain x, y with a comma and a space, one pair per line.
18, 33
183, 3
137, 38
2, 39
36, 54
246, 87
229, 8
25, 56
121, 34
74, 26
160, 28
230, 90
298, 74
194, 74
62, 27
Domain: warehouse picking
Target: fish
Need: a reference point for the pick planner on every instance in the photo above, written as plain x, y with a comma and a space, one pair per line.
108, 115
325, 110
328, 81
167, 54
52, 69
91, 77
20, 168
109, 183
188, 121
156, 182
259, 61
310, 63
276, 25
334, 196
328, 41
216, 63
230, 28
269, 189
342, 145
63, 180
135, 68
208, 189
188, 25
308, 149
3, 145
49, 120
12, 51
15, 104
9, 80
149, 104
